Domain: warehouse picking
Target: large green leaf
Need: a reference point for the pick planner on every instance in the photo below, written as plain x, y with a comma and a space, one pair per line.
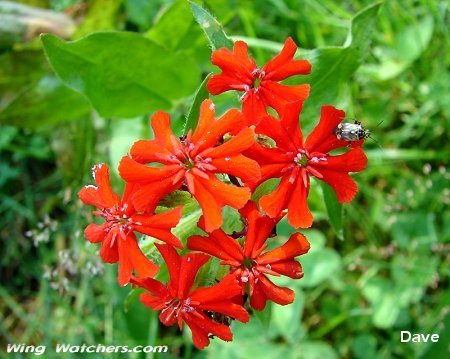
123, 74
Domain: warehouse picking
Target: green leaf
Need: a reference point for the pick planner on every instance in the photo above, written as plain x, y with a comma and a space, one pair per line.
172, 26
123, 74
141, 12
383, 298
318, 266
45, 102
32, 96
332, 67
315, 350
334, 209
124, 133
361, 29
265, 316
292, 314
365, 347
132, 296
102, 15
408, 45
212, 28
265, 188
194, 112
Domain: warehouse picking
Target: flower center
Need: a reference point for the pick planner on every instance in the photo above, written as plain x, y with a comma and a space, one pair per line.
175, 306
189, 163
247, 263
186, 157
258, 75
301, 159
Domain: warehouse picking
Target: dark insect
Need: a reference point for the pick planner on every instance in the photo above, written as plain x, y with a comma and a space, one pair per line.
351, 131
218, 318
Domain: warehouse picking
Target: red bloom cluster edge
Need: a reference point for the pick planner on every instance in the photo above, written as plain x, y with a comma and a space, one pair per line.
221, 163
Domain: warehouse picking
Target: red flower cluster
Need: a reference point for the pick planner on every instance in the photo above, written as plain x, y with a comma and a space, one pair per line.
221, 163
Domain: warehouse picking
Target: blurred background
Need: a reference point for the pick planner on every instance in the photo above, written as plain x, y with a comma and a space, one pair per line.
384, 269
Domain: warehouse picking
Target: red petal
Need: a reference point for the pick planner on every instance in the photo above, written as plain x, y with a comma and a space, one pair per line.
242, 141
153, 286
221, 83
200, 336
201, 326
322, 138
299, 215
270, 126
190, 264
168, 317
240, 166
125, 266
227, 308
344, 186
296, 245
211, 208
352, 161
131, 257
289, 268
227, 288
232, 120
218, 244
290, 120
161, 128
205, 120
253, 107
101, 177
258, 229
145, 151
165, 220
132, 171
283, 65
89, 195
277, 95
109, 250
225, 194
164, 235
151, 301
147, 197
268, 156
258, 298
275, 202
280, 295
235, 63
127, 195
95, 233
173, 262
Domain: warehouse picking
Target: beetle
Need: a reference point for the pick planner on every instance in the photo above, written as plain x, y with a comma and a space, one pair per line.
351, 131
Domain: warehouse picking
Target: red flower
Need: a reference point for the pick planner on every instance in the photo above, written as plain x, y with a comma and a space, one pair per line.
252, 263
178, 303
261, 87
295, 161
119, 242
193, 161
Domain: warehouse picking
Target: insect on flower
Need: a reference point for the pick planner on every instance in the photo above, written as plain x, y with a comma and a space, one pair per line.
351, 131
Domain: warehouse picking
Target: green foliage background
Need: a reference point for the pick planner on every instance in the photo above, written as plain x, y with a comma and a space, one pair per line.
381, 268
